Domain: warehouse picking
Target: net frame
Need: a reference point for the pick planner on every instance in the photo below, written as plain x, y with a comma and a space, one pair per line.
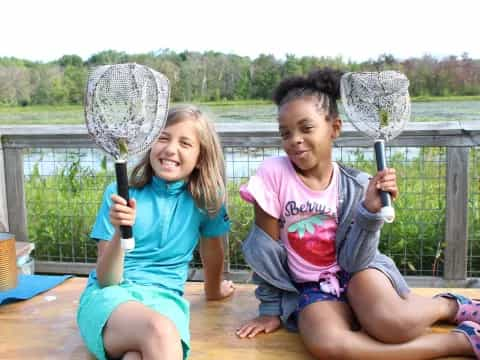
126, 107
371, 97
378, 105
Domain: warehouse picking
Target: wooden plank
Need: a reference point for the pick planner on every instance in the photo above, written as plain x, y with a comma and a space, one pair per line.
438, 282
456, 214
438, 128
451, 133
32, 130
43, 328
3, 195
67, 141
245, 276
14, 187
57, 267
259, 139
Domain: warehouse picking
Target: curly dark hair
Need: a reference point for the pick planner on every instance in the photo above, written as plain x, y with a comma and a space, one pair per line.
324, 84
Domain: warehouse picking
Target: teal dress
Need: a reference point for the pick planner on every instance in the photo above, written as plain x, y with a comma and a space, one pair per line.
167, 230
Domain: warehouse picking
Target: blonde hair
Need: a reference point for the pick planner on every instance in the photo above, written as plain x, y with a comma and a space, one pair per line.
206, 183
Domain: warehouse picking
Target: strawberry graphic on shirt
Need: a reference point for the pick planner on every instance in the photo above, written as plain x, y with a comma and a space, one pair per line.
313, 239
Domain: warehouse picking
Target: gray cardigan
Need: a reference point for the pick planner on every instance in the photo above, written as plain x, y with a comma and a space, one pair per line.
357, 238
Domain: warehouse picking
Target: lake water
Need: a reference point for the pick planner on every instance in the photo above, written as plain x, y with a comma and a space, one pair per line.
240, 163
243, 164
421, 111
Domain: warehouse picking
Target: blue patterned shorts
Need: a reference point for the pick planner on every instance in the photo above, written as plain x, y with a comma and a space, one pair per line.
311, 292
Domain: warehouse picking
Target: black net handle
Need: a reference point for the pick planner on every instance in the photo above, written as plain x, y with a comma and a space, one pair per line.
122, 190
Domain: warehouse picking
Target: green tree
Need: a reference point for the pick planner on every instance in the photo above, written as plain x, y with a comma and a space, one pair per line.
237, 80
265, 74
74, 82
292, 66
108, 57
70, 60
15, 87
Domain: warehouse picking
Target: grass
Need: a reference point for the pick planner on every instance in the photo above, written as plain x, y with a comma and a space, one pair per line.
41, 115
445, 98
241, 110
61, 211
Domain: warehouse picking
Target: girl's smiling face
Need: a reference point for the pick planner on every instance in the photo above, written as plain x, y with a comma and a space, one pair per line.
307, 135
176, 152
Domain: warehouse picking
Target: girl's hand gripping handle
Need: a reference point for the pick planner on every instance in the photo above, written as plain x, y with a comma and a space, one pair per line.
127, 240
387, 210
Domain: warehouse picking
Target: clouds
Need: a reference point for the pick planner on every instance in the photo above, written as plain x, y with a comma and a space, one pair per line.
357, 30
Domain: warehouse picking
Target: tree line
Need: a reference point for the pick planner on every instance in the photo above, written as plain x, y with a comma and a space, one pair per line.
214, 76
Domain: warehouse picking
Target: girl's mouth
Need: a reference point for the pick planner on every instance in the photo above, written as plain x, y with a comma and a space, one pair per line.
300, 154
169, 164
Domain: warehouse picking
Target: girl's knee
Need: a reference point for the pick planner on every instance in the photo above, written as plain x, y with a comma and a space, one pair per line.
329, 345
390, 326
160, 328
132, 355
161, 337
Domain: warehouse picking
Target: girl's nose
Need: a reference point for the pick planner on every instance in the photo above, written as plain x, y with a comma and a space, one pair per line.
170, 148
297, 139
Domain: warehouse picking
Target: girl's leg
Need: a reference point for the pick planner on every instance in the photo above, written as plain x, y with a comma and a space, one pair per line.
133, 327
386, 316
325, 328
132, 355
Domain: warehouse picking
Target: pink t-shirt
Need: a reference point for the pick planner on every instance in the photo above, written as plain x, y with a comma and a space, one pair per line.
308, 218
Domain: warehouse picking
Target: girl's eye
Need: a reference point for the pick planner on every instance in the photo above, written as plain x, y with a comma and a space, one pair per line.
162, 139
307, 129
186, 144
284, 135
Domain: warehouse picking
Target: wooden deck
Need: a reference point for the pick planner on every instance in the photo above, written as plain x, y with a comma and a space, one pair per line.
44, 327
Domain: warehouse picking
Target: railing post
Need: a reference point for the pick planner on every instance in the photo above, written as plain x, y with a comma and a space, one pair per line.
3, 197
226, 247
456, 224
226, 239
15, 191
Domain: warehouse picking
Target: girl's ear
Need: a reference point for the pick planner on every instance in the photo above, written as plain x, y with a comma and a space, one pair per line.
336, 127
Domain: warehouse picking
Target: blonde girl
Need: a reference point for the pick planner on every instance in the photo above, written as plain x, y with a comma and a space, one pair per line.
132, 307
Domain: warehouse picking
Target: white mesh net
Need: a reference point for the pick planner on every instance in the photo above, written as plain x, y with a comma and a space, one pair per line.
126, 107
377, 103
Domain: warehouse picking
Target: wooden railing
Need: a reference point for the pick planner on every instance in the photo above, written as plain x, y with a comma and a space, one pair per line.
457, 137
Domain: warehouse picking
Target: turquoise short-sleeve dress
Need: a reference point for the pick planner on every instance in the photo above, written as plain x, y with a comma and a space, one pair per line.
167, 229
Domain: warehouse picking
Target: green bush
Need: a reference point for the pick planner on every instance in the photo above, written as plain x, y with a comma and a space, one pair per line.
62, 208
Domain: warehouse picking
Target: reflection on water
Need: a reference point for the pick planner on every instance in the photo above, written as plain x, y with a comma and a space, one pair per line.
421, 111
240, 162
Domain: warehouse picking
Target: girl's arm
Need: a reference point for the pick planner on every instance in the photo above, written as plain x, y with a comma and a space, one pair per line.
110, 261
361, 241
212, 254
267, 223
110, 253
267, 294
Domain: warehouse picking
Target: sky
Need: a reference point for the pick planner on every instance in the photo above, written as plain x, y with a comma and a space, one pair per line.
356, 30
